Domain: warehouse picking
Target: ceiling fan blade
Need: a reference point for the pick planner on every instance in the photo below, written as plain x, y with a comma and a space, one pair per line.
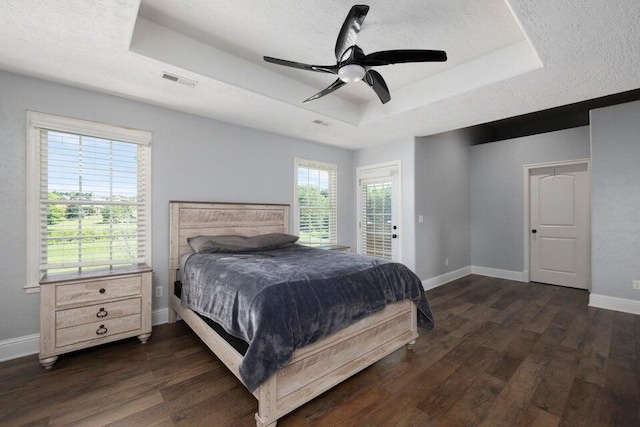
387, 57
331, 69
333, 86
377, 83
350, 29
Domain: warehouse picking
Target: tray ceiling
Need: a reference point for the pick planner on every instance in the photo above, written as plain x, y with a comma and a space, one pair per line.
505, 58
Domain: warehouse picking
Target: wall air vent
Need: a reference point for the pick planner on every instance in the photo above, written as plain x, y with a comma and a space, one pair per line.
178, 79
321, 122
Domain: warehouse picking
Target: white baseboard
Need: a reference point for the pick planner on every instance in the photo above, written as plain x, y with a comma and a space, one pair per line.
434, 282
160, 316
14, 348
19, 346
518, 276
614, 303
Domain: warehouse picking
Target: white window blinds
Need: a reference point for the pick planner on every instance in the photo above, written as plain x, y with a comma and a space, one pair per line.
375, 223
316, 202
93, 201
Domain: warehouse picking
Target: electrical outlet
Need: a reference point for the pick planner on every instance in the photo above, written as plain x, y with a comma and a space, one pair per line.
158, 291
446, 261
420, 219
636, 285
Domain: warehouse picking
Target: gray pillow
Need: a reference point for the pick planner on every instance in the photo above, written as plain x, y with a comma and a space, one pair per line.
204, 244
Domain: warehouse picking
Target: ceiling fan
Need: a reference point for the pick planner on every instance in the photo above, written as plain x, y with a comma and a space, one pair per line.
353, 65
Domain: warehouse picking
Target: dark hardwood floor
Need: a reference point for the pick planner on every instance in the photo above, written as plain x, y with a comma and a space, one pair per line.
502, 354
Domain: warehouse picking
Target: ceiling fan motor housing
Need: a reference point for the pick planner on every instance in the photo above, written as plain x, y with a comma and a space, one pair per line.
351, 73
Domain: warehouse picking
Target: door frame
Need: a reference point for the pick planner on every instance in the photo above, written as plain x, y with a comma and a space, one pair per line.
370, 171
527, 226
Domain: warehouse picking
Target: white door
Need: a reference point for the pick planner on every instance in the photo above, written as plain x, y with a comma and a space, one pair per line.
559, 225
378, 214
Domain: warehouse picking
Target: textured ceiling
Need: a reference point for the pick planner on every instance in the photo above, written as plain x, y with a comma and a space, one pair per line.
506, 58
304, 32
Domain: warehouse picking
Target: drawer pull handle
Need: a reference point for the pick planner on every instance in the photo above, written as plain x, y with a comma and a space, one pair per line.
101, 330
102, 290
102, 312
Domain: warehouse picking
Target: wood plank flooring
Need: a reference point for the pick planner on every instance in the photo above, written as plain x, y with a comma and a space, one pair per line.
502, 354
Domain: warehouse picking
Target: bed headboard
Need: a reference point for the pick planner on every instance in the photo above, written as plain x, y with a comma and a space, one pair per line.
189, 219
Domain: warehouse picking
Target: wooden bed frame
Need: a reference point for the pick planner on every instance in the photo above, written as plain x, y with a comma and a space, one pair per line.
314, 368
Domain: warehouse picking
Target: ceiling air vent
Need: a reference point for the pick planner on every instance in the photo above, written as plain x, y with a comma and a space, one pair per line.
178, 79
321, 122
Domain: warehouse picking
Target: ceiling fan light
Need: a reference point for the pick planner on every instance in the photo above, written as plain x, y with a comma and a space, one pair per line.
351, 73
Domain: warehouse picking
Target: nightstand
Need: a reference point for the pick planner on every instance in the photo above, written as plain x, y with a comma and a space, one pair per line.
87, 309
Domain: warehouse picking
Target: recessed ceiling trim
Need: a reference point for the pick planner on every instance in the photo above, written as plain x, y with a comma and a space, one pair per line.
170, 47
522, 29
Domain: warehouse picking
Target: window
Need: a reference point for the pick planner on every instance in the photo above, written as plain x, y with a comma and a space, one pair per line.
89, 205
315, 198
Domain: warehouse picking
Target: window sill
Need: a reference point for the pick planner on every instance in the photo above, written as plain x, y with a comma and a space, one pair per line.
31, 289
92, 274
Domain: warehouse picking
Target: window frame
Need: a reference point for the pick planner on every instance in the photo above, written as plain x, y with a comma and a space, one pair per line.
300, 162
34, 123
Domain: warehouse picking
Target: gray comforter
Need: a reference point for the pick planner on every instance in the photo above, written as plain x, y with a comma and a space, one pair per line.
283, 299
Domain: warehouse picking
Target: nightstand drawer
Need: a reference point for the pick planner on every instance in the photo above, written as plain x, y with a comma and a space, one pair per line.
97, 330
97, 290
97, 313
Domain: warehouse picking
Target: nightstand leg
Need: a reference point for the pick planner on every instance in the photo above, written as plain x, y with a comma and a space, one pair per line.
48, 362
410, 345
144, 338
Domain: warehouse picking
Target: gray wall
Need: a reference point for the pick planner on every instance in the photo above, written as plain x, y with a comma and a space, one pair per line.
443, 198
193, 158
497, 201
404, 151
615, 151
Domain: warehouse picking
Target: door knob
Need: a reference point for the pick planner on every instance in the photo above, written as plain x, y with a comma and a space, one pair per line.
534, 231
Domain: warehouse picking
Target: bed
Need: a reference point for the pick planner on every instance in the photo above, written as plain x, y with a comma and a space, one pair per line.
313, 368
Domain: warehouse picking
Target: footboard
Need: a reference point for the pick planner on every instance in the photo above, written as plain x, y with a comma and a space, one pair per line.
316, 368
